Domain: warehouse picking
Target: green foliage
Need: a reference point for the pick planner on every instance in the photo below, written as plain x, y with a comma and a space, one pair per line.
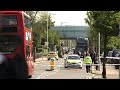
40, 31
114, 42
103, 22
43, 41
53, 38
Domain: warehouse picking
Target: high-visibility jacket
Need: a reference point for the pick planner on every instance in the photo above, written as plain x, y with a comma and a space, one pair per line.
87, 60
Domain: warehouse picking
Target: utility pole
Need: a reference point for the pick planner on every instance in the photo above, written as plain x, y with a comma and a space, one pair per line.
99, 49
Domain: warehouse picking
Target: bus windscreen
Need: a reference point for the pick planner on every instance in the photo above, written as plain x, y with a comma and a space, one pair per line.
8, 23
8, 43
8, 20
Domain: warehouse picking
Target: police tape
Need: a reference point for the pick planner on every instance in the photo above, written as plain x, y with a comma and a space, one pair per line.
83, 65
101, 64
111, 57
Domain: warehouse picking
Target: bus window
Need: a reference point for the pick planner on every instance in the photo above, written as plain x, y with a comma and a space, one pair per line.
27, 51
27, 23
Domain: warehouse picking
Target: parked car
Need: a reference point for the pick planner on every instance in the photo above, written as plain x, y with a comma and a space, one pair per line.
115, 53
52, 55
73, 59
110, 61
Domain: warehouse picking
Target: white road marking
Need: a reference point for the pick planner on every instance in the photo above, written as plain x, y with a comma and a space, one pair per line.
40, 75
52, 72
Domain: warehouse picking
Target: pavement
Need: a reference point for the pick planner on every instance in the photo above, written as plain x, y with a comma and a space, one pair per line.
111, 73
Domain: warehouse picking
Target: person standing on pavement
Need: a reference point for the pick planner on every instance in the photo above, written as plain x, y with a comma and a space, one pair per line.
88, 62
94, 59
93, 56
79, 53
84, 55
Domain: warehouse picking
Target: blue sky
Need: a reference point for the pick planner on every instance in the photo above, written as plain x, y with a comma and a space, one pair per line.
69, 17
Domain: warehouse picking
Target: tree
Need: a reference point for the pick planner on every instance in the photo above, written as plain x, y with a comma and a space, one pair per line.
105, 23
114, 42
54, 38
40, 29
92, 32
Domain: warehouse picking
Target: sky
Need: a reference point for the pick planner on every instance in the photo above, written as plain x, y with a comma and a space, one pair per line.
74, 18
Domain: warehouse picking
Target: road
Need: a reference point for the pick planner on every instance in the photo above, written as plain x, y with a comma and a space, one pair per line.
69, 73
59, 72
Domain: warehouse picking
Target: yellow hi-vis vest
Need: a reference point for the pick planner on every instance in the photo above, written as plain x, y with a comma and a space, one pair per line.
87, 60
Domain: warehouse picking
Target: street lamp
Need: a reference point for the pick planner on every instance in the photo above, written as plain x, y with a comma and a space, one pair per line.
48, 14
47, 31
63, 23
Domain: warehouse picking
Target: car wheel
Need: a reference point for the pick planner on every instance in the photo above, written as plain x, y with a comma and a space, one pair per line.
66, 66
80, 67
116, 67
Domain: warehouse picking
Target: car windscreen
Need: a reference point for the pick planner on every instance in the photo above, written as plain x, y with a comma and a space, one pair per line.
8, 43
74, 57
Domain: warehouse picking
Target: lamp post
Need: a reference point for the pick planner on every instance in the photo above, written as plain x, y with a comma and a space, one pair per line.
47, 31
63, 23
99, 49
48, 14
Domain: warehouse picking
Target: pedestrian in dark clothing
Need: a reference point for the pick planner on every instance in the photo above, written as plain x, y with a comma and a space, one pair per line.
93, 56
94, 60
79, 53
84, 54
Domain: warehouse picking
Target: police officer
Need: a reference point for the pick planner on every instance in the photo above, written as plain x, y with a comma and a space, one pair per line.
88, 62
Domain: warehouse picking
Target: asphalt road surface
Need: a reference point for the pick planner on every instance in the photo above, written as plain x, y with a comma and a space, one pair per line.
59, 71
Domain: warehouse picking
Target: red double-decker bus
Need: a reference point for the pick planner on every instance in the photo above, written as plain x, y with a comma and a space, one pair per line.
16, 43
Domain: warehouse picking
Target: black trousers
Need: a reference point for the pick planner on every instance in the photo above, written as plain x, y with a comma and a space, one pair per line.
88, 68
